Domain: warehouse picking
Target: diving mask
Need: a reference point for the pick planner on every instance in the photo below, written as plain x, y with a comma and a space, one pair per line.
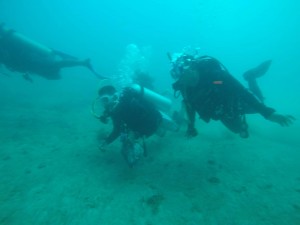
180, 65
108, 100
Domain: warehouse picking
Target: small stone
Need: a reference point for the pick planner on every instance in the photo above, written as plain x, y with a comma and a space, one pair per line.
214, 180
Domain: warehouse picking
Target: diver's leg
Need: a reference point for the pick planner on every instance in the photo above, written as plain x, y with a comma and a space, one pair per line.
72, 62
237, 125
254, 73
132, 149
255, 89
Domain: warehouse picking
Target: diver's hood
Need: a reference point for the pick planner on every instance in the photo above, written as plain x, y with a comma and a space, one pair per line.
107, 90
180, 63
106, 87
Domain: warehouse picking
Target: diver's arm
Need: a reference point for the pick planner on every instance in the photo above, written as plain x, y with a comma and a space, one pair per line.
191, 114
116, 120
269, 113
115, 132
248, 97
258, 106
283, 120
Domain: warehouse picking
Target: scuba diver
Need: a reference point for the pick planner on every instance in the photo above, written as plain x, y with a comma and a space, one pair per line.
21, 54
208, 89
135, 115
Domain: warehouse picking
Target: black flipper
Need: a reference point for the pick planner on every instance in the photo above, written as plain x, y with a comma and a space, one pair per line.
73, 62
254, 73
88, 64
258, 71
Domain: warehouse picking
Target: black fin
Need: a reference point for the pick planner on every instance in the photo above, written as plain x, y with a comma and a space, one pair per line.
90, 67
254, 73
258, 71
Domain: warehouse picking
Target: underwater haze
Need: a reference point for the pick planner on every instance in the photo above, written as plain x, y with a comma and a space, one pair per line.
51, 169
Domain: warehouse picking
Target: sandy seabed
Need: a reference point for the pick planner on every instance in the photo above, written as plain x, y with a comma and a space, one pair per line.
52, 172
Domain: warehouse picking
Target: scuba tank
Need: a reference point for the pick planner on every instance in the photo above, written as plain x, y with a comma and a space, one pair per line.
161, 102
20, 39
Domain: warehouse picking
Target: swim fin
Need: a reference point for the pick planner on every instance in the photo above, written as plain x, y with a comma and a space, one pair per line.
87, 64
254, 73
258, 71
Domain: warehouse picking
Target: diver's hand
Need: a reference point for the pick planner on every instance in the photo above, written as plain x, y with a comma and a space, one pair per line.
283, 120
191, 132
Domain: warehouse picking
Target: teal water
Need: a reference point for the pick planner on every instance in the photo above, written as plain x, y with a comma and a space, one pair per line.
51, 169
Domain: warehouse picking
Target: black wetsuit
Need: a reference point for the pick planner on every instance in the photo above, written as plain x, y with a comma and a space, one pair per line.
219, 96
134, 113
